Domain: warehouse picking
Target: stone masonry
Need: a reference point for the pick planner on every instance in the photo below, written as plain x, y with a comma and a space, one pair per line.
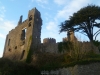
25, 37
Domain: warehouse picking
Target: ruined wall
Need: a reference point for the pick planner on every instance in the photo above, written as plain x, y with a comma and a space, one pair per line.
70, 37
86, 46
49, 45
89, 69
20, 40
25, 39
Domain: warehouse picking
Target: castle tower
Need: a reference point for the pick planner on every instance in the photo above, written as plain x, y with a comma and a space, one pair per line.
50, 45
23, 41
70, 37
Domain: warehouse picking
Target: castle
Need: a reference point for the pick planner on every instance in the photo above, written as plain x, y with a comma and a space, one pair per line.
25, 40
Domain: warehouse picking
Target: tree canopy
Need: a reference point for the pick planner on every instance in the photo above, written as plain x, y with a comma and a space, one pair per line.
83, 21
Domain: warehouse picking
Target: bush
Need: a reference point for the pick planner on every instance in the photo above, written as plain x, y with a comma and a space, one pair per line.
8, 67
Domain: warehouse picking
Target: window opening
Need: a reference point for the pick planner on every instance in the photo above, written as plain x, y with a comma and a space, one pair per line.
30, 18
29, 24
23, 35
9, 50
15, 47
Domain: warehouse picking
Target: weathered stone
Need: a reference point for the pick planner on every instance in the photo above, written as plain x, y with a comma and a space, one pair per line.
24, 41
24, 38
89, 69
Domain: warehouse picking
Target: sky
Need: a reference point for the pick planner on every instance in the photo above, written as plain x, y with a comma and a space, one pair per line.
53, 12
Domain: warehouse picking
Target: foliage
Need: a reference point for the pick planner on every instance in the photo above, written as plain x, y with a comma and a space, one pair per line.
84, 21
64, 46
96, 43
7, 67
45, 61
49, 61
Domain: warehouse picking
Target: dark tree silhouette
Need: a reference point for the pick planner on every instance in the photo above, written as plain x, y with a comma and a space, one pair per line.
84, 21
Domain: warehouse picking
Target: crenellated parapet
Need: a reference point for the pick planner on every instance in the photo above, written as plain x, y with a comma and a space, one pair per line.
49, 45
49, 40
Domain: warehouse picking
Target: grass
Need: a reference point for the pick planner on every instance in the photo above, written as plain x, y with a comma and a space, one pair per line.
7, 67
44, 61
48, 61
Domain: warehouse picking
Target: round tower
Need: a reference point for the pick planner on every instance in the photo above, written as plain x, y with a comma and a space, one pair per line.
49, 40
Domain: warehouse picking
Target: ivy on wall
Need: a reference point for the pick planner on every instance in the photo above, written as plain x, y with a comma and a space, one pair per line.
64, 46
29, 53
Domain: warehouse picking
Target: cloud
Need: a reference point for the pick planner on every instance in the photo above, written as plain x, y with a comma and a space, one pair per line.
51, 26
32, 0
1, 19
72, 7
2, 36
42, 1
2, 11
60, 2
5, 25
62, 14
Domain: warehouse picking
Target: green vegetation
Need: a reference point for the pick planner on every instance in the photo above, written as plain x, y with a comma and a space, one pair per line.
70, 53
52, 61
8, 67
96, 43
63, 46
29, 51
84, 21
45, 61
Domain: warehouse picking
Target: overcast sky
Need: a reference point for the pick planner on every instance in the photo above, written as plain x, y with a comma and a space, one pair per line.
53, 12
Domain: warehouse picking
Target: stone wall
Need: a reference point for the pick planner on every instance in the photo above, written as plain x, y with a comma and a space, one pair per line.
89, 69
25, 37
88, 46
49, 45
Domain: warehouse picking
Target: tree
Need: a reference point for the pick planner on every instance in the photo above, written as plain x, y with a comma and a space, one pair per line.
84, 21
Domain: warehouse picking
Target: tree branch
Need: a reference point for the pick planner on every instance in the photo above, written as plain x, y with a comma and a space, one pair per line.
96, 32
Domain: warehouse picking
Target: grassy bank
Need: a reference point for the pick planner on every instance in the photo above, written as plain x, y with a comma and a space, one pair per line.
8, 67
44, 61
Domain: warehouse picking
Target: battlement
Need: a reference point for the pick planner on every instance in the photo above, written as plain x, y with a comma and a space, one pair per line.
49, 40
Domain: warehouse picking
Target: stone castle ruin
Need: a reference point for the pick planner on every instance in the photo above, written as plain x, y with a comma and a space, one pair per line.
25, 39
